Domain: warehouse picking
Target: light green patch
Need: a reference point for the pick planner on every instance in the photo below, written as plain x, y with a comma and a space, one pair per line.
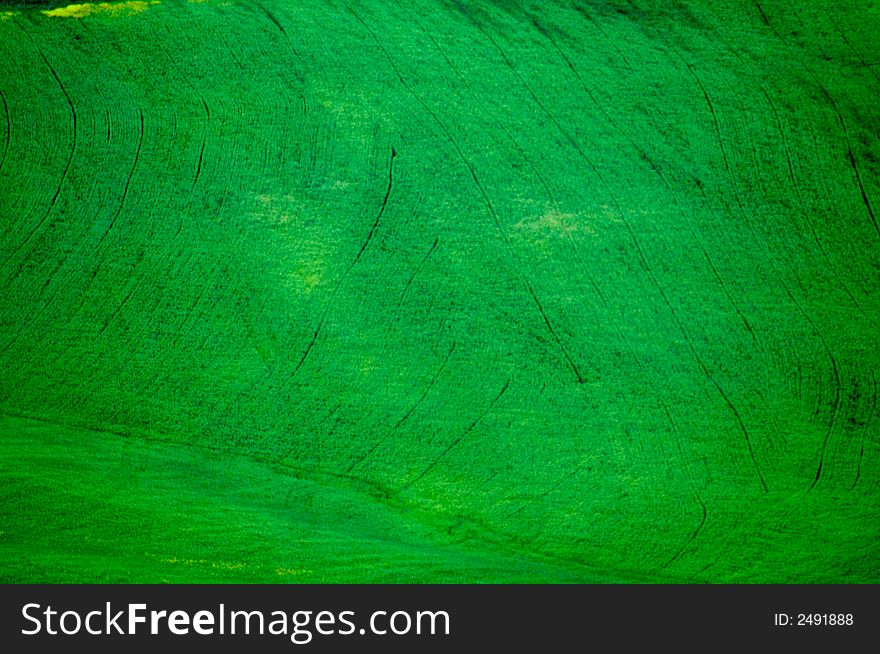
126, 8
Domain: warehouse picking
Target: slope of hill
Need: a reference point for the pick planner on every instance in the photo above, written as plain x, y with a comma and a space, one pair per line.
479, 290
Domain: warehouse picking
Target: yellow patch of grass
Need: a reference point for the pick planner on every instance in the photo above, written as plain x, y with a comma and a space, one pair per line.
111, 8
287, 213
305, 277
217, 565
288, 572
553, 223
310, 281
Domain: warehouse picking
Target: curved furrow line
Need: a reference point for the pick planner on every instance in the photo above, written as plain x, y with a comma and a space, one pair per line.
732, 532
571, 141
761, 13
137, 156
837, 386
692, 348
84, 296
655, 169
858, 468
486, 200
201, 151
705, 252
498, 123
849, 152
641, 254
865, 431
582, 256
357, 257
418, 402
709, 104
787, 151
742, 426
317, 330
541, 179
727, 168
109, 127
845, 131
491, 207
699, 360
456, 441
565, 353
685, 461
692, 537
208, 281
797, 190
778, 275
416, 271
278, 24
858, 55
832, 359
117, 311
381, 209
583, 12
406, 415
42, 221
172, 62
645, 265
864, 193
721, 392
579, 150
186, 78
137, 164
644, 155
834, 368
8, 129
727, 294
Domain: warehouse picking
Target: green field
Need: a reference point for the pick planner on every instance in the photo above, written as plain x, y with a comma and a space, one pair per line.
440, 291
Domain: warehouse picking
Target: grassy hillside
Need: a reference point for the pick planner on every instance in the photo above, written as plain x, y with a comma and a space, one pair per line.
489, 290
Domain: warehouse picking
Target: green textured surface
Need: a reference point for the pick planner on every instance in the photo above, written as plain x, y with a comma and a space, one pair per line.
448, 291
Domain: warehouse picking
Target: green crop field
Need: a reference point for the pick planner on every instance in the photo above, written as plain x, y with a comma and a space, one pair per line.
440, 291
